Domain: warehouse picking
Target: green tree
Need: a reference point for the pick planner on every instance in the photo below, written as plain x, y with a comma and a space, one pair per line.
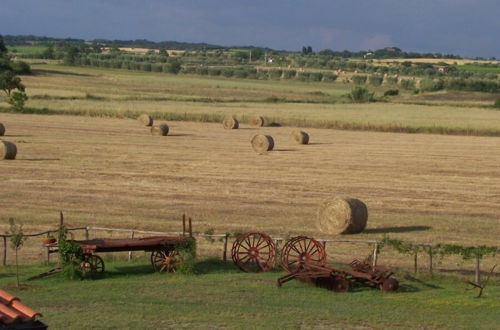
49, 52
17, 100
3, 48
17, 239
9, 82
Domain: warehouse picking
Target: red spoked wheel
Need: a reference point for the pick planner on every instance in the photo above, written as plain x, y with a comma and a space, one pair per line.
254, 252
92, 264
164, 260
300, 251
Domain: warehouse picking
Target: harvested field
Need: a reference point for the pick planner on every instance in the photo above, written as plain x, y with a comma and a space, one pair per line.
113, 172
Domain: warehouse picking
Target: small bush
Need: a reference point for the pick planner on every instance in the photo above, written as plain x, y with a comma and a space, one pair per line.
407, 83
391, 92
17, 100
497, 104
329, 77
375, 80
359, 79
361, 95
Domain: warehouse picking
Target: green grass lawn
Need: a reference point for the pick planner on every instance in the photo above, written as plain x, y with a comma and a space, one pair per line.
26, 49
130, 295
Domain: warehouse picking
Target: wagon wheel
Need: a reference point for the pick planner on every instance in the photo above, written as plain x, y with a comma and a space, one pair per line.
389, 284
92, 264
300, 251
164, 260
254, 252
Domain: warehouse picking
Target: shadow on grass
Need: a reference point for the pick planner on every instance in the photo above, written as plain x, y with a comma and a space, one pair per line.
215, 266
416, 280
405, 229
44, 72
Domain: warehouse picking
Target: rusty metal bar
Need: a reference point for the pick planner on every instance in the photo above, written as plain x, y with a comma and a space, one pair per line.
190, 228
183, 225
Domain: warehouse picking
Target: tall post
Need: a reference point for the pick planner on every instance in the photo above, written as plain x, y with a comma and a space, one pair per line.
61, 219
130, 252
224, 256
184, 225
477, 271
190, 228
375, 255
86, 233
4, 250
415, 261
430, 261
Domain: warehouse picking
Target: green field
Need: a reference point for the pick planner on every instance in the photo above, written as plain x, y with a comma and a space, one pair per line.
219, 296
30, 50
477, 68
119, 93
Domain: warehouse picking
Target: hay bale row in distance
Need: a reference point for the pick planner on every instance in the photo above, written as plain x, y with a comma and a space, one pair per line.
230, 123
300, 137
146, 120
262, 143
257, 121
160, 130
2, 129
8, 150
337, 215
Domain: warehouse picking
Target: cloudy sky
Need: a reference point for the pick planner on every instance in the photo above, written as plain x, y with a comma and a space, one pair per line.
464, 27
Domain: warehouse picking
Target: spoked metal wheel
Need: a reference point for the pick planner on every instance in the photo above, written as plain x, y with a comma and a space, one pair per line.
92, 264
164, 260
390, 284
254, 252
300, 251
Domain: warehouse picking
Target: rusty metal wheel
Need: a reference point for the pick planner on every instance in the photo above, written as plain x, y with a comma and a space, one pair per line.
92, 264
164, 260
390, 284
341, 285
254, 252
302, 250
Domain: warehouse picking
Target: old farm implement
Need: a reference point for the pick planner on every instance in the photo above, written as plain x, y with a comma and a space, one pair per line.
164, 250
254, 252
304, 259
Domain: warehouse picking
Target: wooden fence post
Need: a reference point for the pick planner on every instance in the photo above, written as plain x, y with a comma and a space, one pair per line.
130, 252
4, 250
415, 262
477, 271
224, 255
430, 261
375, 255
86, 233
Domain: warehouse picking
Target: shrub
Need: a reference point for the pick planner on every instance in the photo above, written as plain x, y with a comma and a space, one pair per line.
407, 83
303, 76
431, 85
497, 104
275, 74
240, 73
17, 100
359, 79
391, 80
146, 67
360, 95
262, 74
375, 80
202, 70
227, 72
214, 71
391, 92
329, 77
156, 67
315, 76
289, 74
20, 67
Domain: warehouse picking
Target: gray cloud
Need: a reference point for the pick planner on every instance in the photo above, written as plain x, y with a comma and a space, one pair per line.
466, 27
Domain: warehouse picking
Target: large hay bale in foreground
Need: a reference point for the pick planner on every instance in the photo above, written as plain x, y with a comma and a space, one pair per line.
230, 123
8, 150
2, 130
257, 121
262, 143
300, 137
160, 130
342, 216
146, 120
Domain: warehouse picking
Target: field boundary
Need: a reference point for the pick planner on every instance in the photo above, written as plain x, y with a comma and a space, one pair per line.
276, 121
376, 244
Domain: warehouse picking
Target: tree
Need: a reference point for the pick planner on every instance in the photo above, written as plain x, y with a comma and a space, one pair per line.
3, 49
9, 81
17, 100
49, 52
17, 239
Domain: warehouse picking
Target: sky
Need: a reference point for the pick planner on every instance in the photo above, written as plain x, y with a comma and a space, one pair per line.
463, 27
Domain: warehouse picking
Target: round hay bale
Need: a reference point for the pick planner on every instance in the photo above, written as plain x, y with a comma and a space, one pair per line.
262, 143
342, 216
160, 130
8, 150
257, 121
300, 137
230, 123
146, 120
2, 130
